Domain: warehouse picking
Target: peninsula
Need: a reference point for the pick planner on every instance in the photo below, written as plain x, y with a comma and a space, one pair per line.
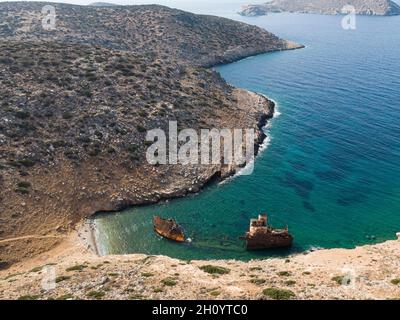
330, 7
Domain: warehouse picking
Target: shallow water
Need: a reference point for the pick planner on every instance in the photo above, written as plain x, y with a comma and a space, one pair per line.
331, 171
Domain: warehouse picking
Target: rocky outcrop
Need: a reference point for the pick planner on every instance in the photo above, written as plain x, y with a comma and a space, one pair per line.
332, 7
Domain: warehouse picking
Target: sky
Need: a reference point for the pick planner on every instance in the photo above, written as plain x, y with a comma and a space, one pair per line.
196, 6
170, 3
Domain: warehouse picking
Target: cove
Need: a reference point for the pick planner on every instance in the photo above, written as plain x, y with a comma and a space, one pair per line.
331, 171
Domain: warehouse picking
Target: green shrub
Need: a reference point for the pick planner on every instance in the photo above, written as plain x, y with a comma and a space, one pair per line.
36, 269
67, 115
284, 273
132, 148
29, 297
278, 294
22, 114
255, 269
214, 269
147, 274
395, 281
257, 281
22, 190
136, 297
86, 92
341, 280
65, 297
27, 162
98, 295
169, 282
78, 267
24, 184
215, 293
62, 278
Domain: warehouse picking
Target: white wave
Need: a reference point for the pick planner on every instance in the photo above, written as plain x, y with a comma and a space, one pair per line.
276, 109
246, 170
99, 243
249, 167
314, 248
276, 112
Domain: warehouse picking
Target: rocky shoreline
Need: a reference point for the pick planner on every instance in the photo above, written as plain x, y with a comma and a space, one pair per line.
217, 177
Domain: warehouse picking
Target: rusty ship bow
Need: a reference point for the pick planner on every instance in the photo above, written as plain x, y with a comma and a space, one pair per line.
169, 229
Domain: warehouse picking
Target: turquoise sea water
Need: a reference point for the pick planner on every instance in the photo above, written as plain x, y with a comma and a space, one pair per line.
331, 171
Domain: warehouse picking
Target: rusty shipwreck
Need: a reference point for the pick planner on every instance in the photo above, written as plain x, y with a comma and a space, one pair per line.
262, 236
169, 229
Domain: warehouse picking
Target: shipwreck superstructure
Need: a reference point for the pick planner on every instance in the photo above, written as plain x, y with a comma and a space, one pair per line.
262, 236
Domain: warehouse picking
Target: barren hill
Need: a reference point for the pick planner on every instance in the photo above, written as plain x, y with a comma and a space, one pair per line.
76, 103
151, 29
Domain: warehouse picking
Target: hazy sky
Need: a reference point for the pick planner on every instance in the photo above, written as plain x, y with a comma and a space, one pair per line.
217, 7
171, 3
201, 6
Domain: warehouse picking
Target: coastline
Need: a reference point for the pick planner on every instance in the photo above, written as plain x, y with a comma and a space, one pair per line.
264, 119
365, 272
60, 232
106, 171
251, 110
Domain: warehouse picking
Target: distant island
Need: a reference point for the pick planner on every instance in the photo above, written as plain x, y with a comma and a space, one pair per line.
103, 4
331, 7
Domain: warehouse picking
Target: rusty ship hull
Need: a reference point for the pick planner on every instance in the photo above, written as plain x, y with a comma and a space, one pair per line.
169, 229
262, 236
268, 240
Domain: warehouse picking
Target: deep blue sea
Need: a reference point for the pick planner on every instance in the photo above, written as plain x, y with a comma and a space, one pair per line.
331, 171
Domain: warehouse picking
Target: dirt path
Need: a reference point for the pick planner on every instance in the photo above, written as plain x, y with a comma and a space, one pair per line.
30, 237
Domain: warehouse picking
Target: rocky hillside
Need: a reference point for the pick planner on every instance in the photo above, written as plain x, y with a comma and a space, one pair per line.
168, 33
76, 102
362, 7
